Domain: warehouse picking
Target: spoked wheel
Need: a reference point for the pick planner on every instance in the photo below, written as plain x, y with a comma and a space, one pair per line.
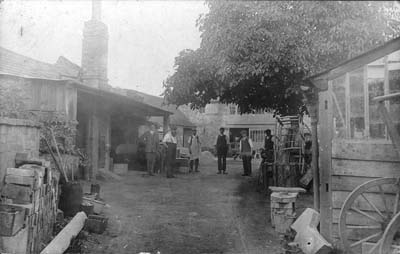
366, 214
391, 237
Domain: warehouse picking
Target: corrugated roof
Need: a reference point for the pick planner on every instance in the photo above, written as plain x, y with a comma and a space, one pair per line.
178, 118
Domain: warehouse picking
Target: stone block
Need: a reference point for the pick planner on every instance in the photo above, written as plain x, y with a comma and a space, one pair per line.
308, 238
309, 218
18, 193
16, 244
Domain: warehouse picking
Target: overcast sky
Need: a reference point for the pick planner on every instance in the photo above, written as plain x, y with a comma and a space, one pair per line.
144, 36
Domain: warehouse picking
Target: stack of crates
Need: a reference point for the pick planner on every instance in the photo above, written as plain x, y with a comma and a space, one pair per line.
35, 188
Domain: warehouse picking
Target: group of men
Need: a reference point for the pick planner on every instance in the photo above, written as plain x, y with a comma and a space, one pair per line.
245, 150
152, 147
152, 143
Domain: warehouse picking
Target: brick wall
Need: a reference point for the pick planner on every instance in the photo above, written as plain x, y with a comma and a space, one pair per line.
17, 136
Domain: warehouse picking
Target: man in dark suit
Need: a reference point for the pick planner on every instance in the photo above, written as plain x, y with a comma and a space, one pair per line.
151, 141
222, 145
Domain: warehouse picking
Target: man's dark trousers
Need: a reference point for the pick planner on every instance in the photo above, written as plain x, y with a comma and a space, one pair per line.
246, 164
221, 162
170, 159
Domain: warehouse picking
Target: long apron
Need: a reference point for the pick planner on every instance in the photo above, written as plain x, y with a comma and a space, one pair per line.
195, 147
171, 156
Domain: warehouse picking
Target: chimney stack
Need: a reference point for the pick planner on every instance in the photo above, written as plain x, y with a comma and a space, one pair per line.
95, 50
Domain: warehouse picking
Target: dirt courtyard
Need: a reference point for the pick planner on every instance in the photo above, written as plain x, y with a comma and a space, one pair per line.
193, 213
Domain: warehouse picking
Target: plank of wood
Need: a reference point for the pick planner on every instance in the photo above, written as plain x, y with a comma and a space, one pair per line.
349, 183
378, 150
365, 168
287, 189
22, 180
338, 198
325, 152
61, 242
356, 234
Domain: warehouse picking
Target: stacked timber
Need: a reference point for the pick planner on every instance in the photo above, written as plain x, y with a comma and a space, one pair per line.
35, 188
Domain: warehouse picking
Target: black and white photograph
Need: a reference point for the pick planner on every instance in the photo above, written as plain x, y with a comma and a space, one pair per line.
199, 127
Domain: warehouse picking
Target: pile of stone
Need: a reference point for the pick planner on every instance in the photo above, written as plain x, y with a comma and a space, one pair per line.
29, 207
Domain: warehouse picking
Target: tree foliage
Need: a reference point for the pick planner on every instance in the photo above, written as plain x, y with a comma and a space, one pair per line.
256, 54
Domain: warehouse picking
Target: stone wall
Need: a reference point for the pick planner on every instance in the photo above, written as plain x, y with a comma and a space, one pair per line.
207, 125
17, 136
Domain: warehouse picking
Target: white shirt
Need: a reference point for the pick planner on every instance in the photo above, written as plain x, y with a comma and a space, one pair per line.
169, 138
250, 143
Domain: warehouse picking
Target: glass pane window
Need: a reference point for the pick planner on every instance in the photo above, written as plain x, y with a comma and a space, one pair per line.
357, 119
375, 88
339, 108
394, 87
232, 109
257, 135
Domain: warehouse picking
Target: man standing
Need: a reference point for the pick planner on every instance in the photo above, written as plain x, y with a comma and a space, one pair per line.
151, 142
246, 147
194, 151
171, 142
269, 146
222, 149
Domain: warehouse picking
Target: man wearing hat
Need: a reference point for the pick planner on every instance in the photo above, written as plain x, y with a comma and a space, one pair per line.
171, 142
151, 141
194, 151
245, 148
222, 146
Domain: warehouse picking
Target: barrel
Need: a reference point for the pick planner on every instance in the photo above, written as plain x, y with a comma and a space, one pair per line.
70, 198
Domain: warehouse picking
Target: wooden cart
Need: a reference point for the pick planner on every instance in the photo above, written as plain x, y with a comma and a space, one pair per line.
379, 231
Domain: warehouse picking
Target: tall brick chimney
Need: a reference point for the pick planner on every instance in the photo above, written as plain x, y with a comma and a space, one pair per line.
95, 49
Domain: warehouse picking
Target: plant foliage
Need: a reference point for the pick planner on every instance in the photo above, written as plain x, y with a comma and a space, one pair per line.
257, 54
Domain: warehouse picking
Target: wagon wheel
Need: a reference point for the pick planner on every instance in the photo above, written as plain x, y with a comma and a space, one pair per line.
391, 237
367, 212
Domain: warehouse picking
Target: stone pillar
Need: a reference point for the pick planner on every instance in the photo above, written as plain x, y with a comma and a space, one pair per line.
95, 50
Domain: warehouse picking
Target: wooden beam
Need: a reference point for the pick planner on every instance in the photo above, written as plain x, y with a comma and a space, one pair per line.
386, 97
325, 162
61, 242
359, 61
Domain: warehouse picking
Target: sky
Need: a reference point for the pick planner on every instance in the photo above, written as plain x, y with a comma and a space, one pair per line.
144, 36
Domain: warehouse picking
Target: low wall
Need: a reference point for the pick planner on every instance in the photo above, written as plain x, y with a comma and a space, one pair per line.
17, 136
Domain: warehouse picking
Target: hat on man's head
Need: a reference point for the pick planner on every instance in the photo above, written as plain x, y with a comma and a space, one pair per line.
172, 127
243, 132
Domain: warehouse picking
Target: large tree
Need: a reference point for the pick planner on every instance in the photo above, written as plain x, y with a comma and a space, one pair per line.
256, 54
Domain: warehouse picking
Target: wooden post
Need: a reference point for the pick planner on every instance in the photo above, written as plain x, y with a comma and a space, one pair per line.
314, 163
325, 120
61, 242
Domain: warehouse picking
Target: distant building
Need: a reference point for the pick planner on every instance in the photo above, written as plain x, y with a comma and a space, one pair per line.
230, 118
95, 117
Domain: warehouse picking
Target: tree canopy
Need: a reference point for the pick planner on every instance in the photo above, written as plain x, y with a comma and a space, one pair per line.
256, 54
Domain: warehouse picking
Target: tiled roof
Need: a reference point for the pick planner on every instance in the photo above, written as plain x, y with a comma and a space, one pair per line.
19, 65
